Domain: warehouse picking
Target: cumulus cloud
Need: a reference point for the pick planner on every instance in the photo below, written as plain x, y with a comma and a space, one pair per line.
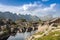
45, 11
33, 9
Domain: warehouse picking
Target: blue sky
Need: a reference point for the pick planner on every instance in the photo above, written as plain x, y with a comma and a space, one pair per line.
21, 2
33, 7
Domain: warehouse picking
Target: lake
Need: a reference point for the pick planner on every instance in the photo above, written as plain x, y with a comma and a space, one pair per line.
21, 36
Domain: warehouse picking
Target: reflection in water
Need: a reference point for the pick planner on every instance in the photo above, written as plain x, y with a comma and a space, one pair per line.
21, 36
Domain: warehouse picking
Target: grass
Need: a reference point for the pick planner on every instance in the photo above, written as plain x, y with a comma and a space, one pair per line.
50, 36
39, 33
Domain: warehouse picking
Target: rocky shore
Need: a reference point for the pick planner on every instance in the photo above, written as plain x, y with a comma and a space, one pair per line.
9, 27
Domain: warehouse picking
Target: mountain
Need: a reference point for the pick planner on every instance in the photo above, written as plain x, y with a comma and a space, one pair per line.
46, 18
9, 15
14, 16
29, 17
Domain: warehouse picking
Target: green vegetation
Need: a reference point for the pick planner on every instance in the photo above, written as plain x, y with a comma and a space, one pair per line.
39, 33
51, 36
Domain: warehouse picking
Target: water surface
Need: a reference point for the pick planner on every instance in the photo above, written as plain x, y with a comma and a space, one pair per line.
21, 36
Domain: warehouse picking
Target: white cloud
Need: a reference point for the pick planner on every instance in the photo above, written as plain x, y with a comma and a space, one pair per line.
9, 8
33, 9
45, 11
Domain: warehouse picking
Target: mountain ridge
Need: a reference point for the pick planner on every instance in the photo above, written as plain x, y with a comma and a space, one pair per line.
14, 16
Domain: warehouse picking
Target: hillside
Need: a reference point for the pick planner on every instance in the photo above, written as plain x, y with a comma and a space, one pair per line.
47, 33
